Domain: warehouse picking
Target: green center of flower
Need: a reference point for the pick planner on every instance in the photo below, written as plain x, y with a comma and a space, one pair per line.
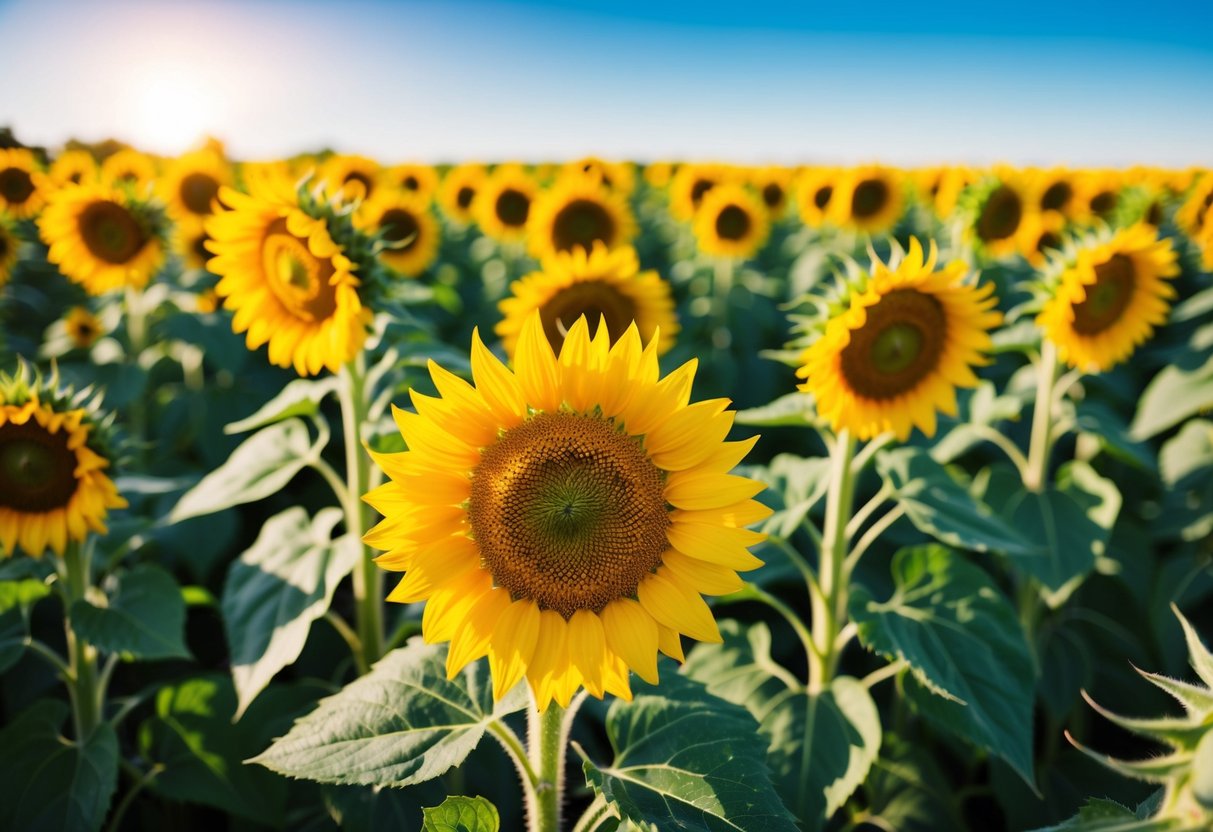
1107, 298
513, 207
898, 345
596, 300
568, 511
582, 223
299, 279
869, 198
37, 470
732, 223
198, 192
1001, 215
16, 185
111, 232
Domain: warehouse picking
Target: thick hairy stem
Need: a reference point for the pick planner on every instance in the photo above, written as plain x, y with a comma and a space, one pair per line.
86, 695
830, 606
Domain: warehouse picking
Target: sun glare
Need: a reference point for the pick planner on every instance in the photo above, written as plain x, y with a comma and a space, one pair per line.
173, 109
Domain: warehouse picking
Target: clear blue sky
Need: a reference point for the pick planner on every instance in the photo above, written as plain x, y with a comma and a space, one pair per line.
1086, 83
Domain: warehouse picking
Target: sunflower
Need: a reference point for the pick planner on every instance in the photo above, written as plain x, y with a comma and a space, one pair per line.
416, 178
940, 187
618, 177
74, 167
189, 242
457, 193
868, 198
578, 213
1055, 191
772, 185
1096, 195
1193, 215
129, 167
691, 183
83, 327
403, 220
731, 222
23, 188
659, 174
354, 177
503, 203
1040, 232
53, 485
566, 517
288, 283
9, 243
191, 183
602, 285
999, 209
814, 193
102, 237
899, 349
1110, 297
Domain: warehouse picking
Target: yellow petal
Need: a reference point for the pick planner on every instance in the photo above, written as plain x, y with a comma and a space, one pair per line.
677, 608
632, 634
587, 649
512, 645
716, 544
497, 385
696, 492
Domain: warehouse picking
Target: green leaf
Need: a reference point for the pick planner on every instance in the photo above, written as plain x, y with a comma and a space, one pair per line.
262, 465
300, 397
964, 645
402, 723
50, 783
1097, 419
462, 814
685, 759
789, 409
740, 669
375, 808
1202, 772
145, 616
941, 507
800, 483
1188, 452
276, 589
908, 791
1099, 814
1172, 396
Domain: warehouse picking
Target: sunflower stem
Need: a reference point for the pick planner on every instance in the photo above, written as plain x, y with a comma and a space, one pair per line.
547, 741
368, 582
722, 287
85, 692
136, 336
829, 608
1041, 443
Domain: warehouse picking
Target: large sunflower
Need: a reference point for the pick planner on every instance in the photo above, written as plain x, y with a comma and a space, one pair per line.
504, 201
191, 184
565, 518
404, 220
731, 222
868, 198
601, 285
53, 485
129, 168
102, 238
457, 193
1110, 298
578, 212
23, 187
897, 352
288, 283
9, 242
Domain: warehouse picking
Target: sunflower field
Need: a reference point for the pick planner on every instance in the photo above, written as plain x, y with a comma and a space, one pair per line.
596, 495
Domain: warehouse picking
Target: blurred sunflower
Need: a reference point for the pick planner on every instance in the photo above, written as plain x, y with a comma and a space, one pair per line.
731, 222
618, 177
74, 167
129, 167
188, 241
1193, 215
999, 209
416, 178
83, 327
903, 341
565, 518
457, 192
814, 193
691, 184
1055, 191
404, 220
1096, 195
602, 285
354, 177
577, 213
191, 184
868, 198
1110, 297
1040, 232
773, 185
940, 187
503, 203
102, 237
23, 187
288, 283
53, 485
659, 174
207, 301
9, 243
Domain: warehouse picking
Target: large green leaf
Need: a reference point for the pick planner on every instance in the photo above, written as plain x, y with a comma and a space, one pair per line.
740, 669
262, 465
301, 397
909, 792
402, 723
462, 814
17, 597
276, 589
963, 643
789, 409
941, 507
52, 784
144, 616
1100, 814
685, 759
1186, 461
1175, 394
800, 483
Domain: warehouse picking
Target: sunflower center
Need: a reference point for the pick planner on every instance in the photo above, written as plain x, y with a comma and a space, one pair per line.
596, 300
1048, 239
732, 223
568, 511
37, 469
582, 223
701, 187
199, 247
1154, 214
411, 183
16, 185
298, 278
772, 195
1107, 298
1001, 214
869, 198
821, 198
1056, 196
513, 207
3, 246
198, 192
898, 345
1103, 203
464, 197
398, 225
364, 181
111, 232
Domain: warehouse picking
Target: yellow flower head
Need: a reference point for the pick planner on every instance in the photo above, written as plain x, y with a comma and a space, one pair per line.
868, 198
773, 185
23, 187
457, 193
578, 212
564, 518
1110, 298
814, 193
617, 177
1039, 233
418, 179
74, 167
352, 177
404, 220
129, 168
602, 285
895, 354
9, 244
83, 327
504, 201
191, 184
691, 184
731, 222
1000, 209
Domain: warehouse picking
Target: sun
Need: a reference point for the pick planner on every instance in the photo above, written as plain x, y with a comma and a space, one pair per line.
172, 109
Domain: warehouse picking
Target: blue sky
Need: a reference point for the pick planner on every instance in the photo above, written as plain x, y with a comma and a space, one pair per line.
1083, 83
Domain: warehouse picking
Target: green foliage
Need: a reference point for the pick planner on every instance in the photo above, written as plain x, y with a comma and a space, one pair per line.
462, 814
144, 616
